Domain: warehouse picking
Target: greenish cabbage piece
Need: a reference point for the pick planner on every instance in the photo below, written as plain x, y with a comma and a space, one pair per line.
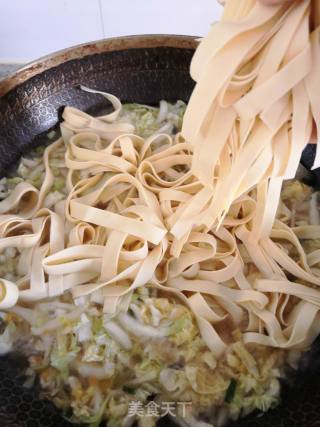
64, 352
7, 339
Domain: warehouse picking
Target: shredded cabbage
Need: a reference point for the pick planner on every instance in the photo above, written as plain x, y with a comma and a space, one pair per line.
153, 345
7, 339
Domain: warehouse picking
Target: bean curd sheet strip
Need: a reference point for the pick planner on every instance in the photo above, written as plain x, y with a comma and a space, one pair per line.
193, 215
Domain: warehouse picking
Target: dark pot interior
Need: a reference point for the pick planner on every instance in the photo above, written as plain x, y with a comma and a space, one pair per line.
141, 69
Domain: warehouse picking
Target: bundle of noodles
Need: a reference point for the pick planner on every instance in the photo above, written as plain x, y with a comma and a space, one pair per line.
194, 215
251, 113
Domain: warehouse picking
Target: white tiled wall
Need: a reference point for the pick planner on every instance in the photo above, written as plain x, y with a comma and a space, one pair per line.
32, 28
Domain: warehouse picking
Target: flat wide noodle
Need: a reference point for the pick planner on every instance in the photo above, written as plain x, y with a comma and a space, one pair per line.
191, 215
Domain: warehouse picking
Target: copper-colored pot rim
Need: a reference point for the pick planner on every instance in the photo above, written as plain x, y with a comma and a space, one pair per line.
106, 45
